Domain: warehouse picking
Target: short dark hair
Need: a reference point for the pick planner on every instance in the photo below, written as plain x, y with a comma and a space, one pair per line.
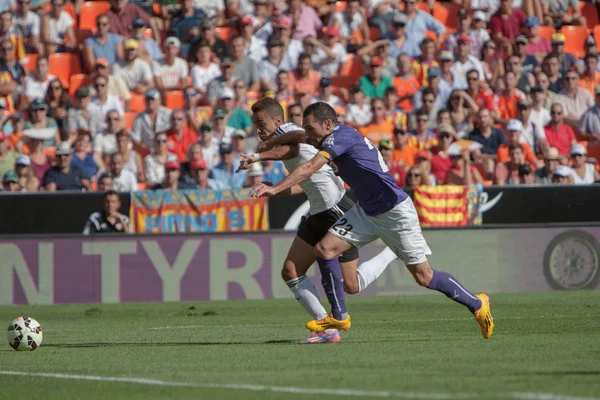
269, 106
551, 55
321, 111
426, 41
303, 57
110, 193
389, 90
590, 55
515, 146
427, 91
473, 71
420, 112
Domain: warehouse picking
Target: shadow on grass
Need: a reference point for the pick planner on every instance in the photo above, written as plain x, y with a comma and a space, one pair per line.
559, 373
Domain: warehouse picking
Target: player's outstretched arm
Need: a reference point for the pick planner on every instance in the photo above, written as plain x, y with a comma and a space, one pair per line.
301, 172
279, 153
292, 137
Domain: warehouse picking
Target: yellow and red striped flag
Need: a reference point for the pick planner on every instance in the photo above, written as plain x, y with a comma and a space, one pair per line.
442, 205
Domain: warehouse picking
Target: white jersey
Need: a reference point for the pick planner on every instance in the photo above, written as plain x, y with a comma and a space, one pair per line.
323, 188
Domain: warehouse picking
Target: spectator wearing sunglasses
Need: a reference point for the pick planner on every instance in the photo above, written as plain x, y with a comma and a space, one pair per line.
116, 86
436, 86
404, 153
59, 104
584, 173
574, 99
28, 24
422, 137
38, 112
559, 134
103, 44
154, 163
57, 29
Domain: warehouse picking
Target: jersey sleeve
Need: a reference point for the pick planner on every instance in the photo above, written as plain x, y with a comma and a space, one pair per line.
334, 146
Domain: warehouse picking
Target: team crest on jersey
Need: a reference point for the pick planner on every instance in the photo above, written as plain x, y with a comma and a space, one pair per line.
328, 141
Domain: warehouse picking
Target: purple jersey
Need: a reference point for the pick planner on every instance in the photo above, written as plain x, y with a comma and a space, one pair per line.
360, 164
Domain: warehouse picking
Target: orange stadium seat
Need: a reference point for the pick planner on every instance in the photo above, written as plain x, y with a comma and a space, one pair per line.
29, 61
589, 11
547, 32
174, 99
341, 5
128, 119
90, 10
226, 32
343, 81
137, 103
353, 66
64, 65
75, 83
574, 39
431, 34
423, 6
446, 14
597, 33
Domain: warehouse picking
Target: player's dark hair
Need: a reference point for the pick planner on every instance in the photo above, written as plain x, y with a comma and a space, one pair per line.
269, 106
321, 112
110, 193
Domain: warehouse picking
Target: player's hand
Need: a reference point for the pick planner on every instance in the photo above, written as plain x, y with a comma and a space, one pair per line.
245, 162
262, 190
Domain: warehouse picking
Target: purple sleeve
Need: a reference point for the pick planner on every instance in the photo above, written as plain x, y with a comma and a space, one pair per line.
335, 145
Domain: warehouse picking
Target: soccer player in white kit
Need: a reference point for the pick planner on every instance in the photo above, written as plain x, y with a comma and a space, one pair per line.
328, 202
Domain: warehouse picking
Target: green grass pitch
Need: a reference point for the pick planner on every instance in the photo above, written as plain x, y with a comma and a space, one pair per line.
546, 346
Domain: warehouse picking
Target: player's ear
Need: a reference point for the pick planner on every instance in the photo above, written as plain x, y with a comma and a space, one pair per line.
278, 120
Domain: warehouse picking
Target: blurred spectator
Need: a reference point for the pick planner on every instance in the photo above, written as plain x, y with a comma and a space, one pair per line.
536, 45
529, 63
575, 100
122, 14
172, 71
349, 21
134, 71
450, 75
506, 100
148, 49
379, 48
57, 29
562, 175
214, 9
185, 25
533, 131
15, 128
132, 161
105, 182
506, 23
262, 19
209, 145
273, 63
105, 45
123, 180
386, 148
171, 180
283, 94
419, 22
590, 120
116, 86
417, 176
154, 163
399, 39
39, 120
101, 104
236, 117
543, 175
200, 171
7, 157
240, 8
292, 48
440, 89
406, 83
10, 182
462, 110
40, 162
326, 94
566, 61
156, 118
465, 61
193, 151
304, 80
225, 80
295, 114
393, 113
109, 220
329, 56
253, 46
224, 172
490, 137
551, 68
254, 175
245, 68
241, 99
359, 111
273, 171
27, 178
304, 18
590, 47
180, 136
217, 45
374, 82
59, 104
584, 173
425, 60
78, 116
479, 93
64, 176
525, 79
205, 70
404, 153
11, 75
35, 84
514, 128
379, 128
539, 114
197, 115
590, 78
492, 63
7, 33
543, 83
462, 172
440, 162
422, 137
82, 158
562, 12
222, 131
464, 31
105, 141
28, 23
480, 27
559, 134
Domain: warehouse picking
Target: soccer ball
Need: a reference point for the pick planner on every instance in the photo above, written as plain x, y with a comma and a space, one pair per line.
24, 334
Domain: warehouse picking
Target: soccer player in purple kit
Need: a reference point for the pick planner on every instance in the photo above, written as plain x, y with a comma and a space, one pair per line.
383, 211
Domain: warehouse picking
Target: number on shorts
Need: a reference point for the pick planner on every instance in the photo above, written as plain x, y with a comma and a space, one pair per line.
382, 163
342, 227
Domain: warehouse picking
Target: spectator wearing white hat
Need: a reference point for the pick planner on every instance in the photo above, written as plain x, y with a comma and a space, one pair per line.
64, 176
254, 176
156, 118
584, 173
513, 134
27, 179
172, 71
237, 118
134, 71
589, 125
480, 27
543, 175
562, 175
462, 172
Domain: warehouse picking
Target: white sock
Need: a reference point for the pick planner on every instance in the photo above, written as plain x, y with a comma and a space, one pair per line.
308, 297
370, 270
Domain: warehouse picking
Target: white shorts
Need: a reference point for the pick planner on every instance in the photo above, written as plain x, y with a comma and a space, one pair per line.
398, 228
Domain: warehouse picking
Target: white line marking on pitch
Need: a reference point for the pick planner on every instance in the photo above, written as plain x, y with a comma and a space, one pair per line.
297, 390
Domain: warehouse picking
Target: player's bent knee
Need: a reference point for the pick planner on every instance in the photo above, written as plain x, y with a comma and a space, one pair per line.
324, 251
288, 272
351, 288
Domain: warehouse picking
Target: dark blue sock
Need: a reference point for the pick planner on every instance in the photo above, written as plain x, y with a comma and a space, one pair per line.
449, 285
333, 284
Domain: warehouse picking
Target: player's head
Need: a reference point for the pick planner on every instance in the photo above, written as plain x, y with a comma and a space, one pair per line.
319, 119
267, 116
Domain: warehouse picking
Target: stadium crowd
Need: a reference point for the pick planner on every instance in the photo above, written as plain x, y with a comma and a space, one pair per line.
127, 95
